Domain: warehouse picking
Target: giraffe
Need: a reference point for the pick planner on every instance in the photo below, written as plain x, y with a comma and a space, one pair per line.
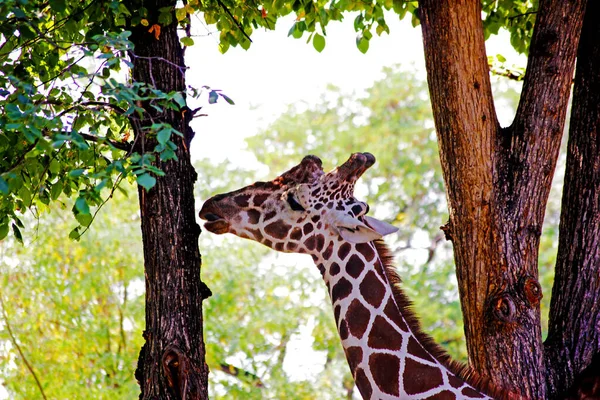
306, 210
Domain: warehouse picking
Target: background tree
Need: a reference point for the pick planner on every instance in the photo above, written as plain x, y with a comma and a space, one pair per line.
61, 63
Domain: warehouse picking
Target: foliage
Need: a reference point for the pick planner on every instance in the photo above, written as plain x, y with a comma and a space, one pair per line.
74, 309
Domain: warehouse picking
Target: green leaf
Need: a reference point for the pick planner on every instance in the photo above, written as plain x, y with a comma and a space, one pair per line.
227, 99
82, 206
147, 181
56, 190
163, 136
213, 96
362, 44
74, 234
187, 41
3, 230
3, 186
180, 14
318, 42
17, 233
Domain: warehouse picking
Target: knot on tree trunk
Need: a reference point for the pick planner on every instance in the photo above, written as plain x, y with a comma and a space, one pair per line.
180, 374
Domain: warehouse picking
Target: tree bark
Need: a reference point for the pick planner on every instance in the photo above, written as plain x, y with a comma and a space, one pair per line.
574, 324
171, 363
498, 180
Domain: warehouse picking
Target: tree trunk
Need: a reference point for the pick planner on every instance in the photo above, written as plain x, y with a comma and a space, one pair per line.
171, 363
574, 325
498, 180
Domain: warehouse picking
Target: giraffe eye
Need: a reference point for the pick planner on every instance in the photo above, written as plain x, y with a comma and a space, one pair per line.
293, 203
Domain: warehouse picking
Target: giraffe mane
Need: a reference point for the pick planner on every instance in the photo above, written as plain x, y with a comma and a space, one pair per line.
461, 370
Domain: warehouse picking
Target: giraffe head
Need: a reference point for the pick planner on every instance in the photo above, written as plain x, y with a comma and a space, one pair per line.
299, 211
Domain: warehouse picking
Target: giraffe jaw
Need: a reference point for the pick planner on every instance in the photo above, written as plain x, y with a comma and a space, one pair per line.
215, 223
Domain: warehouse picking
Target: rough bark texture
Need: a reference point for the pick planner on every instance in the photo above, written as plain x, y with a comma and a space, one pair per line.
498, 180
574, 325
171, 363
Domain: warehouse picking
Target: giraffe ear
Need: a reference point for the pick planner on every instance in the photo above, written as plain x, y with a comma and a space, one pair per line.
353, 230
383, 228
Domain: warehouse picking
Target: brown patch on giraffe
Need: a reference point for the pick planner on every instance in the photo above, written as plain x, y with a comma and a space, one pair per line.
469, 391
379, 269
256, 233
311, 242
328, 251
321, 268
384, 336
445, 395
343, 330
268, 243
296, 234
253, 216
418, 351
270, 215
278, 229
320, 242
419, 378
385, 369
315, 192
372, 289
392, 312
366, 250
455, 381
242, 200
308, 228
291, 246
363, 384
259, 199
344, 250
334, 269
336, 313
358, 318
356, 209
279, 246
354, 355
315, 218
318, 206
354, 266
341, 289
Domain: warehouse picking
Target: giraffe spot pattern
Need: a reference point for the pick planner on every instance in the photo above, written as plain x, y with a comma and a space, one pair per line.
344, 250
242, 200
358, 318
372, 290
420, 378
308, 228
259, 199
354, 355
385, 369
363, 384
328, 251
334, 269
343, 330
341, 289
366, 250
454, 381
384, 336
336, 313
253, 216
320, 242
296, 234
391, 311
469, 391
445, 395
418, 351
278, 229
311, 242
354, 266
270, 215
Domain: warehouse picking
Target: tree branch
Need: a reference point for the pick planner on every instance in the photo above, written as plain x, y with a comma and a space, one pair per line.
235, 21
238, 372
574, 320
16, 344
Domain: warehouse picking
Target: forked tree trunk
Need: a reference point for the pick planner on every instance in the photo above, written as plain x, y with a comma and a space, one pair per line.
498, 179
574, 325
171, 363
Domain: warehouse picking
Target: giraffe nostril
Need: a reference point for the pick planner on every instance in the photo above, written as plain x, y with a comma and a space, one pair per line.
212, 217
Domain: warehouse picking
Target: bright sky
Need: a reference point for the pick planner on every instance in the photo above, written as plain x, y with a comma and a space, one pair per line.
279, 70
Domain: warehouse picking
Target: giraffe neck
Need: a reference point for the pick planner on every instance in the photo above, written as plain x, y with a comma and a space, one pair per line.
388, 355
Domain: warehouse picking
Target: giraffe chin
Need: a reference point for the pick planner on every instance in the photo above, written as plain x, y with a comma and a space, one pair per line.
217, 227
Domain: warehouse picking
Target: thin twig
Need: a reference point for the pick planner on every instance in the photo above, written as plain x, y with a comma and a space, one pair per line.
14, 342
234, 20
